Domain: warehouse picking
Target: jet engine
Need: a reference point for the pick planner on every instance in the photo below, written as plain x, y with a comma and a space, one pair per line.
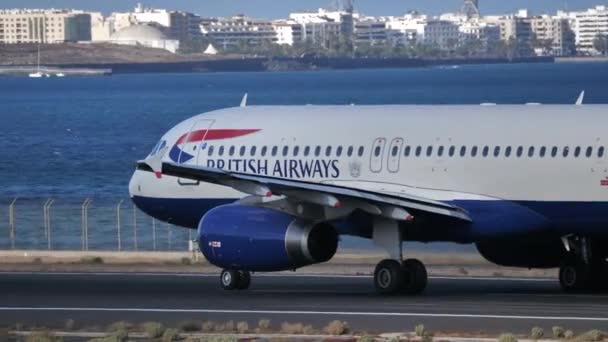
250, 238
530, 253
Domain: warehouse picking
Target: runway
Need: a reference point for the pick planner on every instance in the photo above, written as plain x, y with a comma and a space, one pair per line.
488, 305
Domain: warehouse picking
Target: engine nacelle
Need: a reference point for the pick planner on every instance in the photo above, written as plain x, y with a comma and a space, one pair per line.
529, 253
251, 238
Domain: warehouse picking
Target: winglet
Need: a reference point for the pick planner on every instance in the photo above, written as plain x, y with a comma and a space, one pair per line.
581, 98
244, 100
155, 162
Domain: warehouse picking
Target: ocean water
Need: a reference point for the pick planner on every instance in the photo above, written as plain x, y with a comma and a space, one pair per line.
76, 137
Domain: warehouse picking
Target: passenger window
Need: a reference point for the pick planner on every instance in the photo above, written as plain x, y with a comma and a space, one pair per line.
543, 151
429, 151
463, 151
520, 151
211, 148
377, 151
350, 151
328, 151
306, 151
407, 152
285, 151
531, 152
440, 151
296, 151
231, 151
566, 151
361, 151
317, 151
242, 151
600, 152
589, 151
418, 151
497, 151
253, 150
486, 150
508, 151
264, 150
474, 151
221, 151
395, 151
577, 151
452, 150
275, 149
339, 151
554, 152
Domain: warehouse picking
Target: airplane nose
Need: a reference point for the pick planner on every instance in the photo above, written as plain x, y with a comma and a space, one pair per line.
135, 184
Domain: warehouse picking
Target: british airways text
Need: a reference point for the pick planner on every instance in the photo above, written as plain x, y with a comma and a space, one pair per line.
287, 168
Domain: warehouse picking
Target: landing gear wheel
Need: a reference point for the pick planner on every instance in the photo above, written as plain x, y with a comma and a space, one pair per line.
574, 275
244, 280
229, 279
415, 276
388, 277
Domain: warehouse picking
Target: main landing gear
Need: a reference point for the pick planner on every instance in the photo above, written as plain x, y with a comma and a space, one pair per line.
583, 269
394, 276
235, 280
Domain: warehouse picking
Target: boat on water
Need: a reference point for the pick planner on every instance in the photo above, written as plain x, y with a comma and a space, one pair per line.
38, 73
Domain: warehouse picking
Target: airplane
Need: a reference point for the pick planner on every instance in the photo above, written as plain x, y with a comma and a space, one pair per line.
273, 188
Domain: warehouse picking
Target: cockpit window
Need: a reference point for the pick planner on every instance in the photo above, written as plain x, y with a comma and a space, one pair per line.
159, 146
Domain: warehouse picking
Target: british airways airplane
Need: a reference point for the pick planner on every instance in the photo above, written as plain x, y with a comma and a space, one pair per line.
272, 188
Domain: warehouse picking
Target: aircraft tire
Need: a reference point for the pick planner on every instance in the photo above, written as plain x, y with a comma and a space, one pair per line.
229, 279
575, 275
244, 280
388, 277
415, 276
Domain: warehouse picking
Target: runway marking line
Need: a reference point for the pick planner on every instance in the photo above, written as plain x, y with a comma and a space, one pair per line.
266, 275
321, 313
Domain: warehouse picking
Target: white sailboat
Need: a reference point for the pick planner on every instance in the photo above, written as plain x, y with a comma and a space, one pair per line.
38, 74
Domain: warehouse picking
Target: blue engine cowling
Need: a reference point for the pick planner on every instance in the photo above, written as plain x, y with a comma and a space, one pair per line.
251, 238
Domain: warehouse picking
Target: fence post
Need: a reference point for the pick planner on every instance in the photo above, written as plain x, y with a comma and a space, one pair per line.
85, 224
169, 236
45, 216
153, 234
48, 222
118, 223
135, 228
11, 222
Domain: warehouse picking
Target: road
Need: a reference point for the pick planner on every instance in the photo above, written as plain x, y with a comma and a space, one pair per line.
488, 305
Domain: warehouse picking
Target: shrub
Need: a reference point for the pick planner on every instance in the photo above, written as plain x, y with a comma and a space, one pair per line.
507, 338
569, 334
537, 333
366, 339
264, 324
186, 261
92, 260
220, 339
558, 332
170, 335
69, 325
189, 326
593, 336
153, 329
42, 336
209, 326
420, 330
337, 328
292, 328
308, 330
121, 325
242, 327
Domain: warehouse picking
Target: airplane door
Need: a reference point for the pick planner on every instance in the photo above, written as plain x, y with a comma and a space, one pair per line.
194, 147
377, 155
394, 155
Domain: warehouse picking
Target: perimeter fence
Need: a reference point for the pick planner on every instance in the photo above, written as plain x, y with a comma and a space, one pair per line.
85, 224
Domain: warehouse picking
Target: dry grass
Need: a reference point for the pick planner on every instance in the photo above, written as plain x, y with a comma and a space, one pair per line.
242, 327
337, 328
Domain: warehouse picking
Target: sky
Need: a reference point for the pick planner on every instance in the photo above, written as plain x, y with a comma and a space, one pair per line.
272, 9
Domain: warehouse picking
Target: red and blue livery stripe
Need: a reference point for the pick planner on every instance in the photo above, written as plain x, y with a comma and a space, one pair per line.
179, 156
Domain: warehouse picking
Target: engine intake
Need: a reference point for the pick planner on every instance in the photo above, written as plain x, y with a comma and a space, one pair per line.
260, 239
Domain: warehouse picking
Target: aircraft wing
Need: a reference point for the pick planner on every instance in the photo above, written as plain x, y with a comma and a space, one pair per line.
393, 206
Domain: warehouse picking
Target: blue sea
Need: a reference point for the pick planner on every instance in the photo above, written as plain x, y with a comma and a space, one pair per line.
78, 137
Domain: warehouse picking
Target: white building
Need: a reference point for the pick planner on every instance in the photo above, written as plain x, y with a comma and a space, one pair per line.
325, 26
44, 26
288, 32
239, 30
144, 35
420, 29
587, 25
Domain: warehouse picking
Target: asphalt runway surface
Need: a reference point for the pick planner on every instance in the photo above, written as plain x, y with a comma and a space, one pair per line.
487, 305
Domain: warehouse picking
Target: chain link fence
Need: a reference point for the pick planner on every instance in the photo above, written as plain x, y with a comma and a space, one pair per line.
87, 224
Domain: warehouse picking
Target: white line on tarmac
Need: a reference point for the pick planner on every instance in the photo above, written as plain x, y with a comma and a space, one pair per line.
266, 275
321, 313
